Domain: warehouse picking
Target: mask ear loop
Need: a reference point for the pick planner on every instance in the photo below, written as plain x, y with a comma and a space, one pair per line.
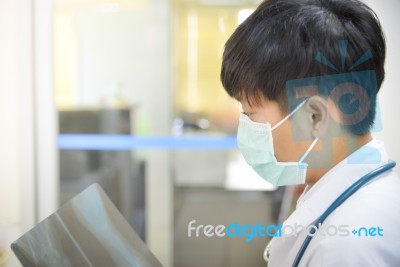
289, 115
309, 150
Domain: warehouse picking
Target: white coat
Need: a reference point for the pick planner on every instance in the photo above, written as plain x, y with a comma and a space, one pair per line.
377, 204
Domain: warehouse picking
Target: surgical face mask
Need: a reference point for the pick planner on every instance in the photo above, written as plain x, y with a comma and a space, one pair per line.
256, 145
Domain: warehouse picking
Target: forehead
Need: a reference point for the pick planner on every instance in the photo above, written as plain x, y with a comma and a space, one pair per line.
261, 103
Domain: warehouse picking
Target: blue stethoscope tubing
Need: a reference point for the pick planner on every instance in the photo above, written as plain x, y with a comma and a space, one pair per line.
342, 198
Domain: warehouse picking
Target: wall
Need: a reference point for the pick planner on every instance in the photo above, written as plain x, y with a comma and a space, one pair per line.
16, 132
28, 182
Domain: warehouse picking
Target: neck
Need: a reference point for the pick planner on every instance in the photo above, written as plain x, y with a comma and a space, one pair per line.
339, 149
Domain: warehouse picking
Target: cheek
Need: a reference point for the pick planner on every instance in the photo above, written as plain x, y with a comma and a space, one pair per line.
286, 148
282, 140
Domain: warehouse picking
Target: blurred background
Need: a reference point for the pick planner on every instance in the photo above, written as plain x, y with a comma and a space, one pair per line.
126, 93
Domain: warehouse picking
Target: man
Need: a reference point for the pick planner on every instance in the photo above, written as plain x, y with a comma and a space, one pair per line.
307, 73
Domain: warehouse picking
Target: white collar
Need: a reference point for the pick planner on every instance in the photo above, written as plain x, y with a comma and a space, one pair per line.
313, 202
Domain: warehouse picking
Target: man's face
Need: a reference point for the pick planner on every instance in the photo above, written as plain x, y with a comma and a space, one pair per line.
287, 149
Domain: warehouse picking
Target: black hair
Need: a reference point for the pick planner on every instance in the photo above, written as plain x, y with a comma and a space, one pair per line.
280, 40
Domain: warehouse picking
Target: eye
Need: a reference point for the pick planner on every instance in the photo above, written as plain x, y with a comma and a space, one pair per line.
248, 114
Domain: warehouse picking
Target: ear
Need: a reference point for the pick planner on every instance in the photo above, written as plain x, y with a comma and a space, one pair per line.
318, 108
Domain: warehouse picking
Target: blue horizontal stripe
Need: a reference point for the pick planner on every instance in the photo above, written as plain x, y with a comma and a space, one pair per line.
129, 142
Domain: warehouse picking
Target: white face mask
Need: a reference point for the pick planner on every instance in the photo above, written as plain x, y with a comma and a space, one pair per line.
255, 143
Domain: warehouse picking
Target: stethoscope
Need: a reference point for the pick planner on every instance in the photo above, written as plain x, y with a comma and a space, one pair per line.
342, 198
